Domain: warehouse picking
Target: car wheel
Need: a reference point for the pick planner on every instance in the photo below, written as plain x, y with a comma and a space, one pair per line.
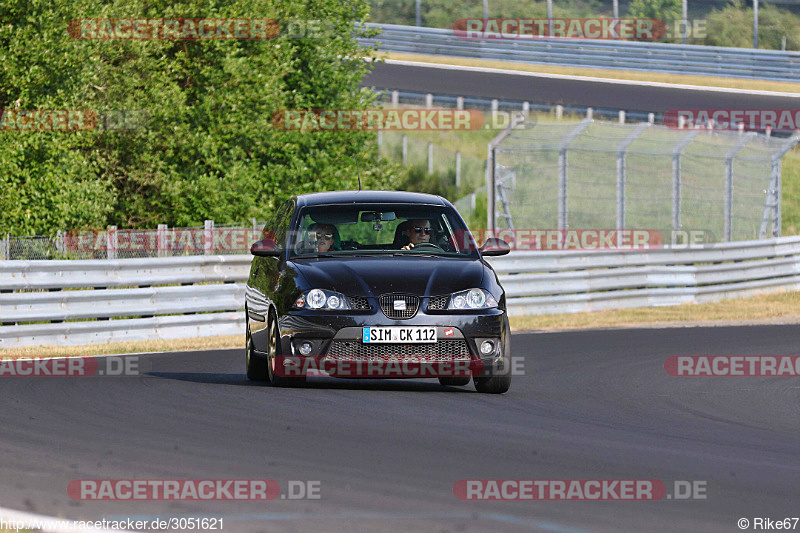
498, 379
453, 381
493, 384
256, 366
274, 343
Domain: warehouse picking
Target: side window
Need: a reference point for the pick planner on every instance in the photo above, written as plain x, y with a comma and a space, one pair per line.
282, 221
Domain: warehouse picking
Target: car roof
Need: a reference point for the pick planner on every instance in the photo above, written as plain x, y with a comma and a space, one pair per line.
368, 197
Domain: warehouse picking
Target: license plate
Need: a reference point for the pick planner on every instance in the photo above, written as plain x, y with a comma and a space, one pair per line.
400, 335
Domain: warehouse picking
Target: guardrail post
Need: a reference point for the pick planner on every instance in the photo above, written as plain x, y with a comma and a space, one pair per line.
395, 98
208, 237
589, 113
526, 109
111, 242
428, 101
460, 103
559, 112
651, 118
621, 116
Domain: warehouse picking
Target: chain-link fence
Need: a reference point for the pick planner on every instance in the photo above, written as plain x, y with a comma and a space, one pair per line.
606, 175
113, 243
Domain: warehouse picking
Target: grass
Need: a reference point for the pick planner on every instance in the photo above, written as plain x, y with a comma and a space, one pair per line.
776, 307
685, 79
199, 343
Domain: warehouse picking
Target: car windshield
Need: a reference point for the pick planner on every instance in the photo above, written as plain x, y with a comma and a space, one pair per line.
380, 229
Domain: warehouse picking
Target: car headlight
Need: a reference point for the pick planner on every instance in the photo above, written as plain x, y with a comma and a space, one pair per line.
471, 299
321, 299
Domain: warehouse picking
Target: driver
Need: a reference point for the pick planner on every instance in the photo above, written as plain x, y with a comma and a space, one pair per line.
418, 231
322, 237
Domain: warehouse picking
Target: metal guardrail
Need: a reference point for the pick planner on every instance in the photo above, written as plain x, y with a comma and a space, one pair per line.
541, 282
536, 282
84, 302
620, 55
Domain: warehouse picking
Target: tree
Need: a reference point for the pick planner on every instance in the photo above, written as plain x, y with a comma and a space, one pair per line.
202, 144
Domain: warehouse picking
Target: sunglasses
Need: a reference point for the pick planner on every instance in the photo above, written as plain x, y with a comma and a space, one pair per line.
420, 230
312, 235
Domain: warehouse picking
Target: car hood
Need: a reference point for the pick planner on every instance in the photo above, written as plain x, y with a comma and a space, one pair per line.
373, 276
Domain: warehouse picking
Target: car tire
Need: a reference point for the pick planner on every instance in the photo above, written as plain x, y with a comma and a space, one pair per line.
498, 378
256, 367
493, 384
453, 381
274, 346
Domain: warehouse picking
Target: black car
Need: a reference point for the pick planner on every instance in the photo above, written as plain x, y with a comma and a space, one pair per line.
375, 284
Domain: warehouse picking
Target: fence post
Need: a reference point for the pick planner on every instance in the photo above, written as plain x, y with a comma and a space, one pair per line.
728, 196
621, 116
589, 113
562, 170
430, 158
458, 170
208, 237
111, 242
162, 238
428, 101
621, 174
7, 247
559, 112
395, 98
676, 183
405, 149
651, 118
526, 109
460, 103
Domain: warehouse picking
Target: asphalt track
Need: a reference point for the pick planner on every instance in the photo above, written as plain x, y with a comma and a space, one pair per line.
591, 405
567, 92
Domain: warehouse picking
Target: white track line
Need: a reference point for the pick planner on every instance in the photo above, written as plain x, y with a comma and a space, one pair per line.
592, 79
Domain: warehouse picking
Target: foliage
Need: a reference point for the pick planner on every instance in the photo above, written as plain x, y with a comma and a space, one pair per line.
203, 146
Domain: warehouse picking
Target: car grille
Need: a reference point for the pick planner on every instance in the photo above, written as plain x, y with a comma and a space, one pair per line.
387, 305
438, 303
445, 350
359, 303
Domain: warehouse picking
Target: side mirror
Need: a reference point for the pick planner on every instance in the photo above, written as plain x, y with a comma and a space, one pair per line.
494, 246
266, 248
